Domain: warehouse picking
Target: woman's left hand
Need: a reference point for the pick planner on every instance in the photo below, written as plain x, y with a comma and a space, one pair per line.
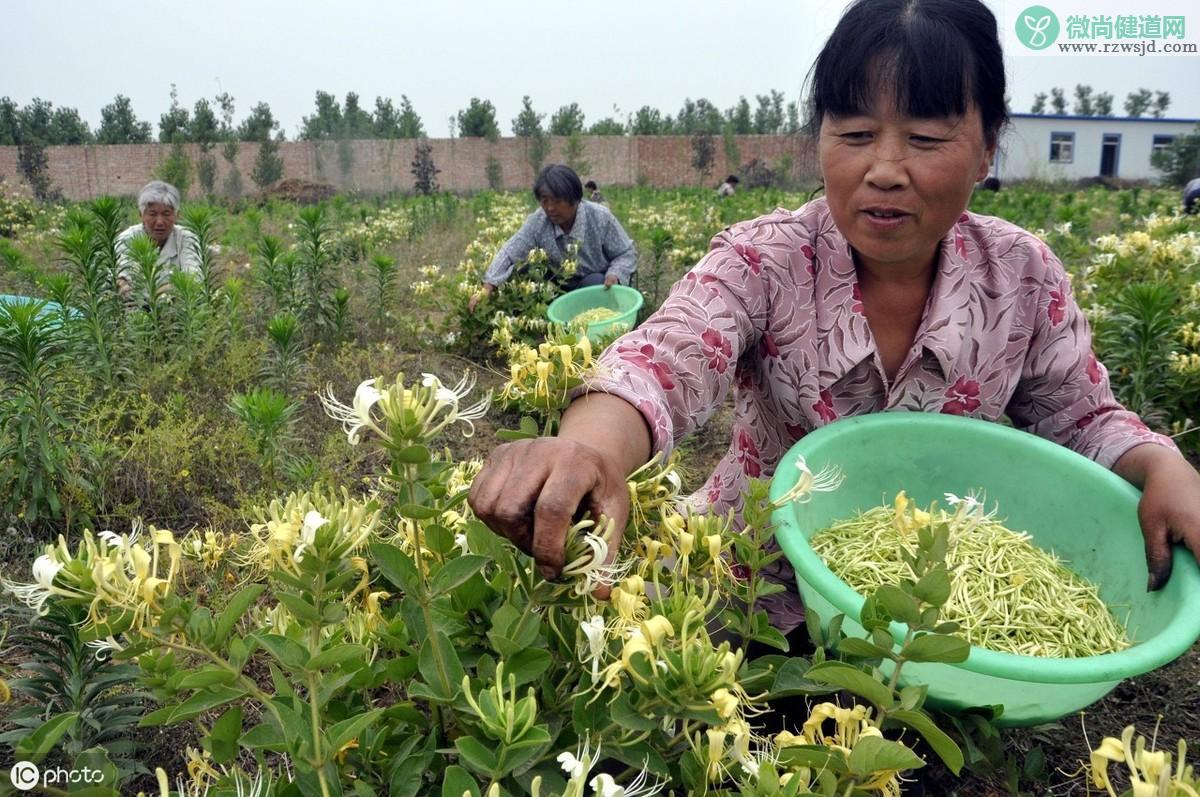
1169, 511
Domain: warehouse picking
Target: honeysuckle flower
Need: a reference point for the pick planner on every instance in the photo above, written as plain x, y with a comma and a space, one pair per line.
577, 765
460, 539
828, 479
603, 785
596, 638
313, 520
657, 628
357, 416
725, 703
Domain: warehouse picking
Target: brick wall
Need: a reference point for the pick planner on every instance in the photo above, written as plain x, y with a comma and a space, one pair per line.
381, 166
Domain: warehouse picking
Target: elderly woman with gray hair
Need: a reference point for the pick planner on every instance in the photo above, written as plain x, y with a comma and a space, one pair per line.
178, 248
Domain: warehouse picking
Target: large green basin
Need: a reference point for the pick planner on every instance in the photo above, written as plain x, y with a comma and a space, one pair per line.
1068, 504
625, 301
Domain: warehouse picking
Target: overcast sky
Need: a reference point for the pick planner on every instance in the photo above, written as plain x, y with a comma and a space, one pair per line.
626, 53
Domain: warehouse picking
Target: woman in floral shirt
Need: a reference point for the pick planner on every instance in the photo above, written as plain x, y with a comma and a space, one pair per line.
885, 295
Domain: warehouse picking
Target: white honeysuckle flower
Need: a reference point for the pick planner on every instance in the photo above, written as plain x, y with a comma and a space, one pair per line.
577, 765
593, 629
35, 595
603, 785
104, 647
460, 540
357, 416
829, 479
308, 532
45, 568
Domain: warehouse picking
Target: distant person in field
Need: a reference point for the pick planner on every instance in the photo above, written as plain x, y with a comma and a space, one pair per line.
604, 253
728, 187
990, 183
594, 194
1191, 196
178, 248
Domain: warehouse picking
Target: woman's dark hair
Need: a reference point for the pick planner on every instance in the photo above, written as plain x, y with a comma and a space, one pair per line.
934, 57
558, 182
732, 179
590, 185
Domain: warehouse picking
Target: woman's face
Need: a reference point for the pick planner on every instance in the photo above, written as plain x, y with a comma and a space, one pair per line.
158, 220
560, 211
896, 184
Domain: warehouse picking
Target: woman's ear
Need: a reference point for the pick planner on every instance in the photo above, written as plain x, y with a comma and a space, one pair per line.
985, 165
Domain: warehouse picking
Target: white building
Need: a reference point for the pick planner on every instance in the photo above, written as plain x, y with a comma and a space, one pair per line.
1051, 147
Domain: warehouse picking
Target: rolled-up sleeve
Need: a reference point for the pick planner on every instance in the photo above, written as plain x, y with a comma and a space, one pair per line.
1064, 393
677, 367
513, 252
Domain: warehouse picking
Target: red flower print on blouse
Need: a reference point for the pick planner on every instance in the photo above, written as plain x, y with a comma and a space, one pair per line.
1086, 420
964, 218
964, 397
1058, 304
824, 407
748, 454
750, 255
960, 244
796, 430
716, 350
767, 346
714, 489
642, 357
856, 294
1093, 369
810, 260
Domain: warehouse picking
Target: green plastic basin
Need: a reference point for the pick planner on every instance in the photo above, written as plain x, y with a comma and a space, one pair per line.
624, 300
50, 314
1068, 504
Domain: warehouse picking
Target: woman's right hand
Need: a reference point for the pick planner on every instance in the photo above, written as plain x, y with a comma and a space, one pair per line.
532, 491
486, 290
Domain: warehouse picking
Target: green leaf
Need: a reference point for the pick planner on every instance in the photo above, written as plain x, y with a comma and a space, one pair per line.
395, 565
418, 512
476, 755
937, 647
528, 665
874, 753
482, 540
301, 609
852, 679
196, 705
899, 604
853, 646
233, 611
456, 782
440, 667
335, 656
288, 652
222, 740
792, 680
413, 455
934, 586
455, 572
937, 739
351, 728
913, 697
625, 716
37, 745
873, 615
209, 675
816, 757
264, 737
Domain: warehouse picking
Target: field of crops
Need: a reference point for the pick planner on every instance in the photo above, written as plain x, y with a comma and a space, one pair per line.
256, 572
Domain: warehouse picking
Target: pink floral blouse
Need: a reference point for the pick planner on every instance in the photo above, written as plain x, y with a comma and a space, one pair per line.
774, 309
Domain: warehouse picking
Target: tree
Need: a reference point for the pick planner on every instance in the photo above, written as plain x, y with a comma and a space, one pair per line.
424, 171
1039, 103
478, 120
9, 128
793, 125
326, 123
1083, 100
357, 123
410, 124
702, 153
646, 122
768, 115
268, 166
1138, 102
1162, 100
1103, 104
567, 120
608, 126
528, 126
173, 125
119, 124
33, 122
205, 131
575, 153
700, 116
229, 150
35, 168
738, 118
1180, 161
176, 168
1058, 101
259, 125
